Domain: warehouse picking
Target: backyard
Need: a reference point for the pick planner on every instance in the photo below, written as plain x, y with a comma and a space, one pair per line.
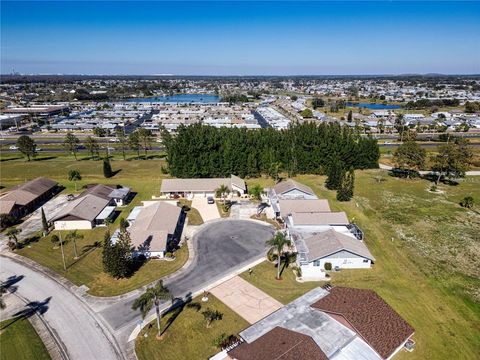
427, 267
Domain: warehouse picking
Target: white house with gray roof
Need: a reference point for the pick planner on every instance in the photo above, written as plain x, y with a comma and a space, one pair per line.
201, 187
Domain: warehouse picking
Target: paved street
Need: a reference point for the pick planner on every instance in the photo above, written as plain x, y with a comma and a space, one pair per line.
221, 247
78, 328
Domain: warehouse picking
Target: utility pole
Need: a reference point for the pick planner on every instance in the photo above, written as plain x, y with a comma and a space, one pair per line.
61, 248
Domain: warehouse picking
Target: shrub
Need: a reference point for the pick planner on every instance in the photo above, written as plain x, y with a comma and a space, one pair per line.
271, 255
328, 266
55, 240
467, 202
433, 188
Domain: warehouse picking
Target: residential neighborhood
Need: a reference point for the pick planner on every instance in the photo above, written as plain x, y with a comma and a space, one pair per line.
239, 180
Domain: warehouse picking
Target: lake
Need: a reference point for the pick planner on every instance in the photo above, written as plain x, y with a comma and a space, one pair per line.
374, 106
179, 98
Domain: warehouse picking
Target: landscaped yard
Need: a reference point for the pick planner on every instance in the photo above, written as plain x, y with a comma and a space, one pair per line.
187, 337
143, 176
285, 290
194, 217
427, 267
19, 341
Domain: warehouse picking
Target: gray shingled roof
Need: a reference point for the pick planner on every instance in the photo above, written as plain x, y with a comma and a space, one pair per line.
153, 224
330, 242
289, 185
200, 185
319, 218
288, 206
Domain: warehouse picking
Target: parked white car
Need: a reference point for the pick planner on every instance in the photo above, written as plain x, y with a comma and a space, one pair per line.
13, 147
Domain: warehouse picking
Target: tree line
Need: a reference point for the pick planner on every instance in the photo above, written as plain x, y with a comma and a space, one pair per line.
205, 151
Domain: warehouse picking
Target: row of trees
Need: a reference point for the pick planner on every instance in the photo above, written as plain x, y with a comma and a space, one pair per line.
206, 151
452, 160
136, 141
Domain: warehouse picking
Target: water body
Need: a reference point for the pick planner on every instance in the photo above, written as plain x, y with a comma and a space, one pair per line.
374, 106
179, 98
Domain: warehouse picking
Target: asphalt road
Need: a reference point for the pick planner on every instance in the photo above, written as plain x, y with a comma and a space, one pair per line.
76, 326
221, 247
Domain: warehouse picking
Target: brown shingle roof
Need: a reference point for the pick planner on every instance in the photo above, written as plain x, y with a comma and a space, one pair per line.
279, 344
25, 193
370, 316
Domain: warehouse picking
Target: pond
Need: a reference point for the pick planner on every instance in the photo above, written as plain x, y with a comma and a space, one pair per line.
179, 98
374, 106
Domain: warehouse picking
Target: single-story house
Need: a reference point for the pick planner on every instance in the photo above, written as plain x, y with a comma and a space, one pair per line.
290, 189
339, 324
309, 220
284, 207
156, 229
25, 198
341, 250
201, 187
90, 209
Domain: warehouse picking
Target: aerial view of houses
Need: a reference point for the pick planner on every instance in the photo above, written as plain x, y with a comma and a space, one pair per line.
239, 180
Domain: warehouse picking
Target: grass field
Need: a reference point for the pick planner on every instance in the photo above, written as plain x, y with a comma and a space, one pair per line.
143, 176
285, 290
187, 336
19, 341
427, 267
425, 244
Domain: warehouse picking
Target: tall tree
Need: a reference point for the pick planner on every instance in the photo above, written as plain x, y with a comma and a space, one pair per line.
134, 142
334, 175
145, 137
107, 168
117, 260
92, 146
409, 156
44, 222
153, 296
26, 145
278, 244
345, 191
71, 144
453, 159
74, 175
122, 140
74, 236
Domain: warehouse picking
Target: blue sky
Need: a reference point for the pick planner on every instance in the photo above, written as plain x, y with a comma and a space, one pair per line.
240, 38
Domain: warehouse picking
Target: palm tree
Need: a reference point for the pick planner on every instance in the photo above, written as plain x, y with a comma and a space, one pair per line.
74, 236
211, 315
223, 190
152, 296
278, 243
12, 235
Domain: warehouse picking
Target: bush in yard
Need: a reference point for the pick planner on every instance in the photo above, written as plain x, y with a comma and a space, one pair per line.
467, 202
55, 241
328, 266
271, 255
211, 315
107, 168
6, 221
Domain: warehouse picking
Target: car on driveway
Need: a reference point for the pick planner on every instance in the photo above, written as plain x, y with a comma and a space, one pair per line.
70, 197
210, 200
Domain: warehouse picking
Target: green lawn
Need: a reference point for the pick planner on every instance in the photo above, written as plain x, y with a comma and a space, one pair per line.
285, 290
427, 267
194, 217
224, 211
88, 270
187, 337
19, 341
143, 176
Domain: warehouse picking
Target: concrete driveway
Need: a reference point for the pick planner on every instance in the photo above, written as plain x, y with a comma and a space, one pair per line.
33, 222
207, 211
245, 299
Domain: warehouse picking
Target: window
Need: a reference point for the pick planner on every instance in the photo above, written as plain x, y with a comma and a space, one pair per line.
316, 263
365, 260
